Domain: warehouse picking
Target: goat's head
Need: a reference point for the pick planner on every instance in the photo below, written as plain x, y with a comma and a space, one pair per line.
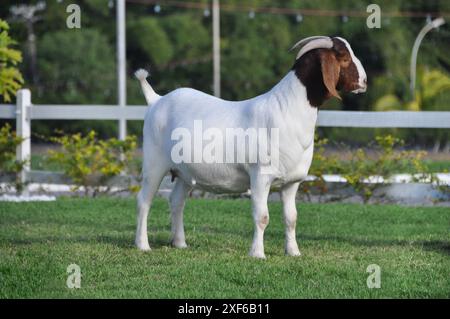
326, 65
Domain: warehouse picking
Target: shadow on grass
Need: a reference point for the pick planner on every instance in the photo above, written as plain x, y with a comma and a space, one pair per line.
159, 240
437, 245
440, 246
428, 245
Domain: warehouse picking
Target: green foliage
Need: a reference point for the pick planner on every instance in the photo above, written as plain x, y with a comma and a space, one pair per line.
432, 94
432, 86
10, 77
9, 165
255, 56
322, 164
153, 42
76, 67
383, 161
92, 163
188, 35
388, 102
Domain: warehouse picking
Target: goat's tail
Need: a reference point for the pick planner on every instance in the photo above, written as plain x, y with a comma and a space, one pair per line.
150, 95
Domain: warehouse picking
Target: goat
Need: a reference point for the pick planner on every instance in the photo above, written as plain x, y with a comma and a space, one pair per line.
323, 66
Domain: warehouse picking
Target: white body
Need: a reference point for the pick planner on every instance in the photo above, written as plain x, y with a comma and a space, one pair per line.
285, 107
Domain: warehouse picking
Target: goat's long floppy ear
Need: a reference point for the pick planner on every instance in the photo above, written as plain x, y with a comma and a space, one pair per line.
330, 71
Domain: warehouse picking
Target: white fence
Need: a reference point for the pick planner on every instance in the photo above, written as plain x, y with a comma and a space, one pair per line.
24, 112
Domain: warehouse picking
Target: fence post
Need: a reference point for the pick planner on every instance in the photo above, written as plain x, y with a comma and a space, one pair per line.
23, 130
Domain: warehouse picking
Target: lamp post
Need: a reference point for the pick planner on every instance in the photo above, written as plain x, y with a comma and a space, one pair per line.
216, 47
436, 23
121, 65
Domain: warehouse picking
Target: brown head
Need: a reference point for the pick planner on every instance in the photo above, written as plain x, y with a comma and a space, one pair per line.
327, 65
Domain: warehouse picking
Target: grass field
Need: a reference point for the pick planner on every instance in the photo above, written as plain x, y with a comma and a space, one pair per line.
338, 241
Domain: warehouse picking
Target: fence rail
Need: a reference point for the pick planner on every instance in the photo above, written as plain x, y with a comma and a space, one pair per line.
403, 119
87, 112
398, 119
24, 112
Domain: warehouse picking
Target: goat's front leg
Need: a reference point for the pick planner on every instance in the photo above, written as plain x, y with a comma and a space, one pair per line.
260, 187
288, 193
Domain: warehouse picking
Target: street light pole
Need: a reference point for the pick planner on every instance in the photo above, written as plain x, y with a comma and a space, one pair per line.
121, 65
436, 23
216, 46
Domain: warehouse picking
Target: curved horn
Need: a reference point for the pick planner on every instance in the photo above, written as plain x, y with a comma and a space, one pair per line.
306, 40
326, 43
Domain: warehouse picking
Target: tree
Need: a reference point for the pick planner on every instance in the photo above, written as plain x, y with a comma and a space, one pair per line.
10, 77
28, 15
76, 67
174, 43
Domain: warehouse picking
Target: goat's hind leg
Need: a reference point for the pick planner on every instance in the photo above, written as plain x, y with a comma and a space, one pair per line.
176, 201
149, 187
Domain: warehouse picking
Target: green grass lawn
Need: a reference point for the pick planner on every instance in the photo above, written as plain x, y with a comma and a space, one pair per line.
338, 241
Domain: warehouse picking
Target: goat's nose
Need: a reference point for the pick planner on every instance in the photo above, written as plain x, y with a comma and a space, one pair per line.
364, 84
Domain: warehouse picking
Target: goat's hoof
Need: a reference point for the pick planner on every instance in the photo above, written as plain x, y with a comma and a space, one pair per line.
179, 244
143, 247
292, 251
259, 255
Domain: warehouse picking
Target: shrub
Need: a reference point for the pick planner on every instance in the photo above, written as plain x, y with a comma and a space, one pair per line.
9, 165
10, 77
321, 165
92, 163
366, 172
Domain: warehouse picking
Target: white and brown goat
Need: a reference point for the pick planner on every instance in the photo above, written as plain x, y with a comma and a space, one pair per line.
323, 66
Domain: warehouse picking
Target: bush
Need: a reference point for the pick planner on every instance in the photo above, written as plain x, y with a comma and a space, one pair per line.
10, 77
366, 171
321, 165
92, 163
381, 166
9, 165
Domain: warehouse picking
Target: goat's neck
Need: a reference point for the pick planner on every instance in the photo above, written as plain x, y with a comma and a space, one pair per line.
291, 110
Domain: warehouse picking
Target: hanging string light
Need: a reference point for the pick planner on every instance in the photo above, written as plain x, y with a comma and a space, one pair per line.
298, 18
157, 8
291, 11
251, 14
206, 12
